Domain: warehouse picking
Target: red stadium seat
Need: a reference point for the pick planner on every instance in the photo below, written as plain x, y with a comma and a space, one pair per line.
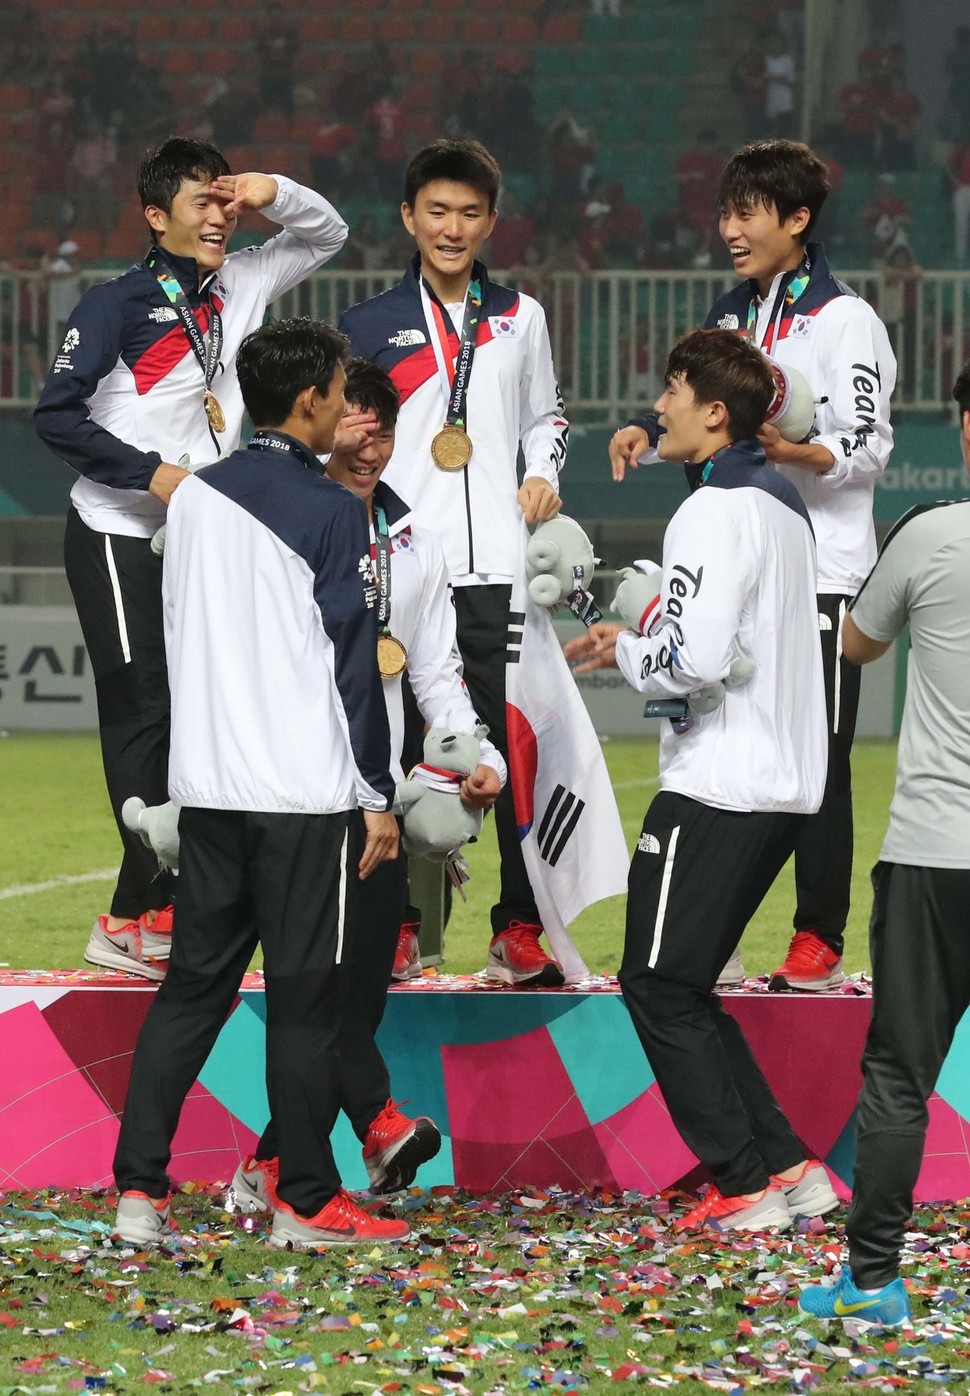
399, 28
14, 96
220, 59
478, 29
236, 29
153, 28
316, 28
271, 126
194, 27
356, 29
520, 29
562, 29
437, 28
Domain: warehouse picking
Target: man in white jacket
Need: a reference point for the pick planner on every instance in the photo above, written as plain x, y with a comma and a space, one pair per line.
145, 378
738, 576
791, 306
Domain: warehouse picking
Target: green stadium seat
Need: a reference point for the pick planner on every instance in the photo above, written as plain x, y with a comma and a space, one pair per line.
553, 61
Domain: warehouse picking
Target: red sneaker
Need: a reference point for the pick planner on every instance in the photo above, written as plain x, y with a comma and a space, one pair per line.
253, 1185
407, 956
395, 1148
340, 1223
809, 965
765, 1209
158, 922
516, 957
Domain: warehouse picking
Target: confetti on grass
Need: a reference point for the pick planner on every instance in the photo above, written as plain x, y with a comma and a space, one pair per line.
530, 1291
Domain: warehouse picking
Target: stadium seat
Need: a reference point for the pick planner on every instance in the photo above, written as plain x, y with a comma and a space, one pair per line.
478, 29
236, 29
356, 29
398, 28
553, 61
194, 26
316, 28
562, 29
152, 29
436, 28
520, 29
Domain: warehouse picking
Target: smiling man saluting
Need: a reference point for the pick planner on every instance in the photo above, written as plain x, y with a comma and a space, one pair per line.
145, 378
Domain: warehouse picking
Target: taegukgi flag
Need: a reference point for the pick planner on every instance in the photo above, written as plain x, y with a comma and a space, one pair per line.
565, 809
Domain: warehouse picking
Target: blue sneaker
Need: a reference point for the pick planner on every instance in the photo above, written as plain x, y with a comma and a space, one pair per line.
888, 1307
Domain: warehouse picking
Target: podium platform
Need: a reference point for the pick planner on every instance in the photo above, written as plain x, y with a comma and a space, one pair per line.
528, 1088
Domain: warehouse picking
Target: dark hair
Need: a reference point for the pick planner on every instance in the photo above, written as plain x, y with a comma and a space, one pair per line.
164, 169
784, 173
276, 362
722, 366
371, 388
462, 162
961, 389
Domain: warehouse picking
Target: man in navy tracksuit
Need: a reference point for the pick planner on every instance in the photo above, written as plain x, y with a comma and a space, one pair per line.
279, 733
145, 378
792, 307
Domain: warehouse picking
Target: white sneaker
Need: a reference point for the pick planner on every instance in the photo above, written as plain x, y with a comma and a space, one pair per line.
253, 1186
811, 1194
733, 972
134, 949
139, 1221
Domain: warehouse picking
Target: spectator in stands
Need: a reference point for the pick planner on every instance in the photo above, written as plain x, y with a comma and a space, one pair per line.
365, 249
231, 109
886, 218
24, 375
463, 105
94, 165
386, 123
277, 45
857, 133
956, 117
571, 153
747, 79
64, 287
779, 85
958, 174
53, 208
606, 7
899, 310
898, 118
513, 234
134, 390
623, 228
332, 148
696, 174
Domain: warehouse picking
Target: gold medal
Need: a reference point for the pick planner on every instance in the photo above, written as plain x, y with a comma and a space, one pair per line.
451, 449
214, 413
391, 656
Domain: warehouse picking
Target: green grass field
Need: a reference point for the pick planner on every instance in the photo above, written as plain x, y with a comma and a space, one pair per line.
55, 826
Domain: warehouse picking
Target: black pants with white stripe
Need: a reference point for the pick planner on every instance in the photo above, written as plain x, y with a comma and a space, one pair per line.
697, 877
116, 582
278, 880
823, 850
918, 939
483, 632
374, 911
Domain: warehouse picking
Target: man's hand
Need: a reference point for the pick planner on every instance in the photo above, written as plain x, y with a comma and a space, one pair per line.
538, 500
383, 838
481, 789
627, 445
596, 649
166, 481
818, 460
244, 191
353, 430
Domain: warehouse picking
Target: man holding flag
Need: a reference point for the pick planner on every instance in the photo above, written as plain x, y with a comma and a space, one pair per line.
473, 366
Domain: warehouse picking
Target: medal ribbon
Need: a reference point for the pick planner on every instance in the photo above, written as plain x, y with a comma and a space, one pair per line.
272, 441
208, 355
788, 293
382, 548
455, 377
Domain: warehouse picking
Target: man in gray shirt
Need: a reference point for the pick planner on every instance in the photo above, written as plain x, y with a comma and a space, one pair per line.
920, 928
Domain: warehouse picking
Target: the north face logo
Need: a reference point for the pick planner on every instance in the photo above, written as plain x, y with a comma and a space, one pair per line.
407, 339
648, 843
